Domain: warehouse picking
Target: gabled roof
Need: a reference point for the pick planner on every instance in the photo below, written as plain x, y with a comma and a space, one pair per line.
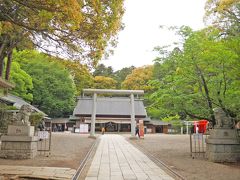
18, 102
115, 107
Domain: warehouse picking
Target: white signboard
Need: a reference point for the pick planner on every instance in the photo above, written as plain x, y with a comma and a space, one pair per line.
76, 130
43, 134
83, 128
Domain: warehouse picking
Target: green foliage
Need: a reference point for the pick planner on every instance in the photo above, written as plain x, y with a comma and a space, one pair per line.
53, 86
23, 82
203, 75
81, 75
35, 119
102, 70
171, 118
121, 75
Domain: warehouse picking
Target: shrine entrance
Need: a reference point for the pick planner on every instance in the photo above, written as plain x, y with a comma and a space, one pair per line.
110, 126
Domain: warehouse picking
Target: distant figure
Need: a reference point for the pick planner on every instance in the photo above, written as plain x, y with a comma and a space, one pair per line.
137, 131
103, 130
197, 129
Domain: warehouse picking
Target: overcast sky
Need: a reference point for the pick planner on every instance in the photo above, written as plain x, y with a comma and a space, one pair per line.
141, 34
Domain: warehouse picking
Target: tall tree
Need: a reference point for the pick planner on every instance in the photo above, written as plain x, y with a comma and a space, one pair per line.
225, 15
81, 29
80, 73
53, 86
121, 75
102, 70
23, 83
203, 76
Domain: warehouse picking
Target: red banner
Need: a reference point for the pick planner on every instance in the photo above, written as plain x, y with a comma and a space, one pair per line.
141, 128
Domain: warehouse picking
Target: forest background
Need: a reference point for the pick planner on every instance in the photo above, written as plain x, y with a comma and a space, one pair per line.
186, 82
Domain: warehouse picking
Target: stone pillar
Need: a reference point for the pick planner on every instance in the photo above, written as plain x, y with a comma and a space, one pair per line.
133, 122
93, 117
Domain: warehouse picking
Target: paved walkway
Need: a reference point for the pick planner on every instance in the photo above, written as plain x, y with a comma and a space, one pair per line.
117, 159
41, 172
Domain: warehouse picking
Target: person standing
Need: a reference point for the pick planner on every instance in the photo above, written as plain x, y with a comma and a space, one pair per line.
137, 131
103, 130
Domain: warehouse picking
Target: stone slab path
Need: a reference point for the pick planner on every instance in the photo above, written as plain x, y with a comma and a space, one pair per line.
43, 172
117, 159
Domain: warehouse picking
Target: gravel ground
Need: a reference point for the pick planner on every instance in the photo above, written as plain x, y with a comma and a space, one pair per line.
68, 150
174, 150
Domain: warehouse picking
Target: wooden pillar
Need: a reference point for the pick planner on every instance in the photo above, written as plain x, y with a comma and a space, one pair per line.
119, 126
93, 117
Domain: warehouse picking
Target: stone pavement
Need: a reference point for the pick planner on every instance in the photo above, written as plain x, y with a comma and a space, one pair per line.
117, 159
43, 172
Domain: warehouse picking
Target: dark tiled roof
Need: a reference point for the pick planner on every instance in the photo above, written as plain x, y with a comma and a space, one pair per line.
18, 102
109, 106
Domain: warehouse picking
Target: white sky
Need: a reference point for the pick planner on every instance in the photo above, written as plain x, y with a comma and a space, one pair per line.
141, 34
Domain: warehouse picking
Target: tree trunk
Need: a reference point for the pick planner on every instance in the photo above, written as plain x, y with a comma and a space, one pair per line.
1, 65
2, 57
194, 116
209, 101
9, 62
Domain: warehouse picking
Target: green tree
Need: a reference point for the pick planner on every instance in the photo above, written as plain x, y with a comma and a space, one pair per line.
80, 73
163, 101
53, 86
192, 82
121, 75
102, 70
23, 83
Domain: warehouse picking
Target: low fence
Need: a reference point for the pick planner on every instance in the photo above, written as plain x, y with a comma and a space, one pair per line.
198, 145
44, 143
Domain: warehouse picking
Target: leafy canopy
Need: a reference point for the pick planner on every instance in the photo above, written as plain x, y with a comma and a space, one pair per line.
53, 86
78, 29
